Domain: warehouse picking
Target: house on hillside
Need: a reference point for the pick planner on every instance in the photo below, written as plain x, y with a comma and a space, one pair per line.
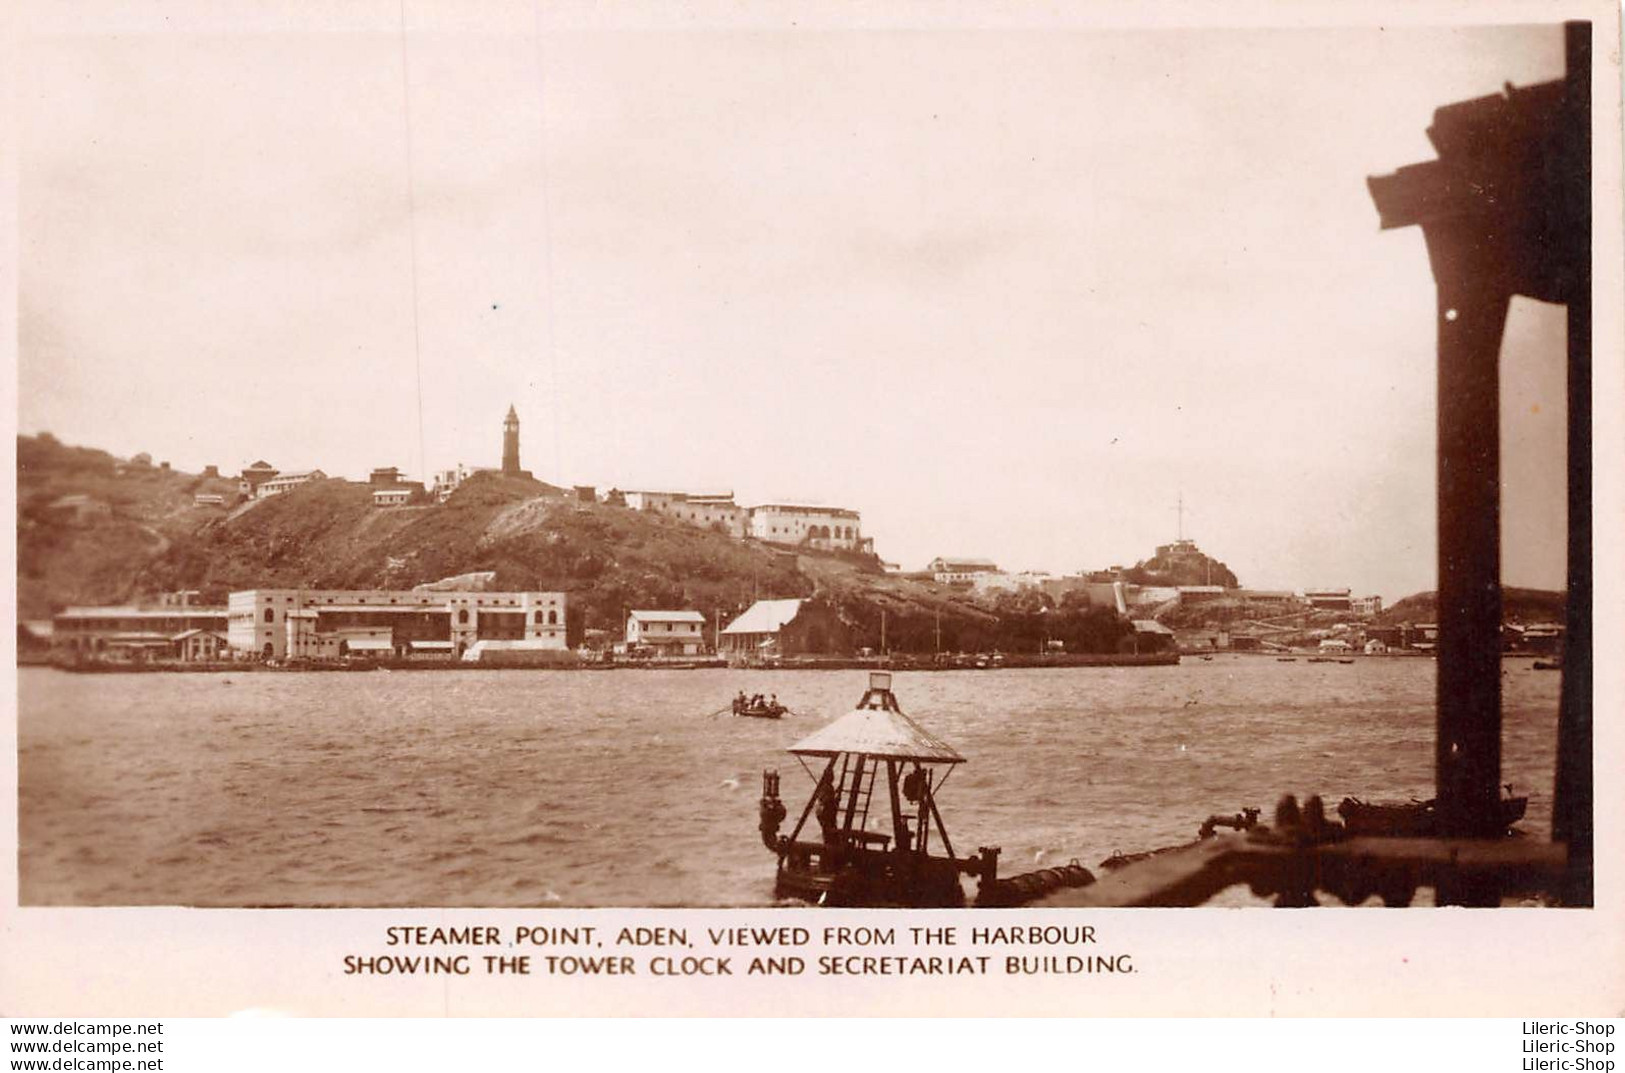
286, 482
959, 570
824, 528
254, 476
1329, 599
703, 510
775, 629
668, 633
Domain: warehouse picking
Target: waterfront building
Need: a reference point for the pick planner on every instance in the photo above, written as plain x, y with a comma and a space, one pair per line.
667, 632
1201, 640
195, 646
274, 623
206, 499
133, 632
961, 570
772, 629
385, 476
824, 528
285, 482
1152, 636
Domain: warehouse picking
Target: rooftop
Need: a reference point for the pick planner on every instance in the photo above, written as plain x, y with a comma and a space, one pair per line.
765, 616
668, 616
877, 732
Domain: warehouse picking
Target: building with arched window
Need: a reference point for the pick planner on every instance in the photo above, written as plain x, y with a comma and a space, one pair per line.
395, 623
824, 528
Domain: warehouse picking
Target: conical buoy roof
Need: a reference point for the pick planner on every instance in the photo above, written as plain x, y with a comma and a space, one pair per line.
878, 732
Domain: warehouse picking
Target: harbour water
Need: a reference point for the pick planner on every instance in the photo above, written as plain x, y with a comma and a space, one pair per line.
537, 788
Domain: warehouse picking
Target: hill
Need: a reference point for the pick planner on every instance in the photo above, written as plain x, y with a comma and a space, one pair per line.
1517, 605
136, 533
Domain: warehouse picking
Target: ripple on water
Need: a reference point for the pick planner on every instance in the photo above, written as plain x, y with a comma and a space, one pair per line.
533, 788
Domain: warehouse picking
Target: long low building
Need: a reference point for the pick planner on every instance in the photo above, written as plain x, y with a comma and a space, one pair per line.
334, 623
159, 632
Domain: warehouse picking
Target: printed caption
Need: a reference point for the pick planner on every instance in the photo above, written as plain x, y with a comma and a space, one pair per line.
688, 953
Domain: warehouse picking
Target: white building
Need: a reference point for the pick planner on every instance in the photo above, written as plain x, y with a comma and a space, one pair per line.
286, 482
1369, 606
669, 632
984, 583
446, 481
702, 510
391, 497
276, 623
959, 570
825, 528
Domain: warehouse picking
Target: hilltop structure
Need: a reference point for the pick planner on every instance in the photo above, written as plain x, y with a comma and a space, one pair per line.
510, 445
821, 528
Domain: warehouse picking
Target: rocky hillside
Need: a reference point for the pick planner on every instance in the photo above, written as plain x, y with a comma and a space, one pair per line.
93, 529
1517, 605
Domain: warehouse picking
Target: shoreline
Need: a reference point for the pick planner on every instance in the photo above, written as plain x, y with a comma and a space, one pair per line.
1160, 659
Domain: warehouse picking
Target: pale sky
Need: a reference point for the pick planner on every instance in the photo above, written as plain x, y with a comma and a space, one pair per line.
1006, 290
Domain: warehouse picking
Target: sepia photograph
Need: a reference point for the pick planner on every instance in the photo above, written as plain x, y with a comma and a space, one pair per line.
537, 457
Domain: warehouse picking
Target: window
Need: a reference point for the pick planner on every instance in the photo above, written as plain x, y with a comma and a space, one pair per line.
270, 615
538, 617
462, 615
552, 618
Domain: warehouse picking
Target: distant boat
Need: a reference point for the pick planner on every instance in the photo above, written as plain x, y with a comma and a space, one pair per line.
762, 710
1547, 665
1286, 659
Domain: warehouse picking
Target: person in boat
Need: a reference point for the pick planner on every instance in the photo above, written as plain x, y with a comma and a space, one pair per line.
773, 704
739, 702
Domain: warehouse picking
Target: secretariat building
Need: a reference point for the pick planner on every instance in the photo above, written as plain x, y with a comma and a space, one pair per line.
336, 623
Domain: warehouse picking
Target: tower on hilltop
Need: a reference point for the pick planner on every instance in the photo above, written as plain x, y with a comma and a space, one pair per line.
510, 444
